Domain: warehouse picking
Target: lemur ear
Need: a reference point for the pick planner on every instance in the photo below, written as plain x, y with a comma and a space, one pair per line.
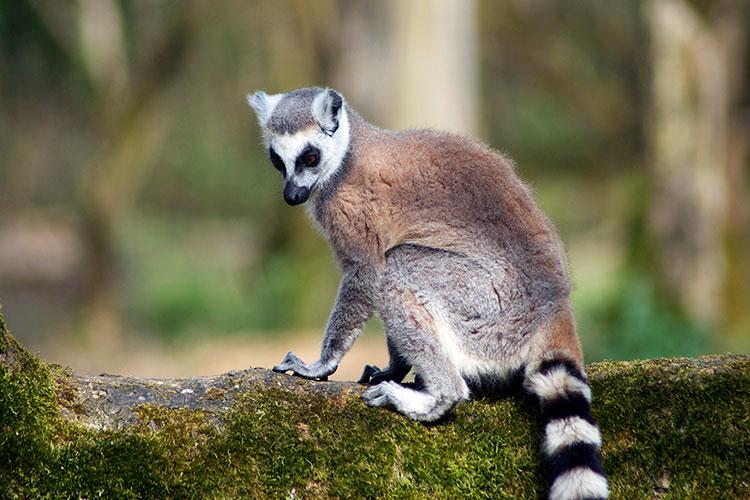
263, 105
326, 109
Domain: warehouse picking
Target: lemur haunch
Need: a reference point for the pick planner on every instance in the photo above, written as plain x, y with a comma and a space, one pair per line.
437, 234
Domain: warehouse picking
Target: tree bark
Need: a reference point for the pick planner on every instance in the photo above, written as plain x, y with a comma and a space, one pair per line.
435, 65
698, 217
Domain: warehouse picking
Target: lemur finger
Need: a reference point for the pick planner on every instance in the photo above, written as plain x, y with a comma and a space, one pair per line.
292, 358
377, 401
314, 371
290, 362
367, 374
377, 390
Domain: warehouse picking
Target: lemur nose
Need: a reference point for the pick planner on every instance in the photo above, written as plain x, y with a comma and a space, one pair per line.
294, 195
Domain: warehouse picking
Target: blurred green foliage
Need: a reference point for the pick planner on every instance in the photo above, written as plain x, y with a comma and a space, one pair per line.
632, 322
194, 276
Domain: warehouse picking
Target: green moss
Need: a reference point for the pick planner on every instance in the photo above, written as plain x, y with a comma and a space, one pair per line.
674, 429
320, 446
26, 407
690, 429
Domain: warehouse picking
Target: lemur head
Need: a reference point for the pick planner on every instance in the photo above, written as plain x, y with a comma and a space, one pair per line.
306, 132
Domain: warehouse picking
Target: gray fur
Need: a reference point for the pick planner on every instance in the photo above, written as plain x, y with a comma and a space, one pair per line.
294, 112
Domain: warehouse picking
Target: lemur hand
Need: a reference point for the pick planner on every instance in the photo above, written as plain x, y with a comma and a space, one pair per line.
315, 371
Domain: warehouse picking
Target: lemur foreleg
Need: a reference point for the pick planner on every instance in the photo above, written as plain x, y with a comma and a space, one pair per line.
354, 305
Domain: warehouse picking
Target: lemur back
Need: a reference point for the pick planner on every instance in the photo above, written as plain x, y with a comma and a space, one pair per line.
438, 236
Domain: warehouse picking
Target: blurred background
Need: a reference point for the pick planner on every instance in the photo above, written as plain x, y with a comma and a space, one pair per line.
143, 231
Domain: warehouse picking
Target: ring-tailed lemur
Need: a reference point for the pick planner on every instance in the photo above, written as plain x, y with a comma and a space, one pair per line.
437, 234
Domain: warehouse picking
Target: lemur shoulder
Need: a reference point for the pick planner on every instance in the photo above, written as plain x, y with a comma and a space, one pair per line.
437, 234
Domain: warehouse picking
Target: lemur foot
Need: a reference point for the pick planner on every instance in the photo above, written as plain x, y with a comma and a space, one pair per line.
418, 405
379, 395
314, 371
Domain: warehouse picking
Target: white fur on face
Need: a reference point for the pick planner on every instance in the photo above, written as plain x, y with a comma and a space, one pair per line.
337, 146
332, 151
289, 146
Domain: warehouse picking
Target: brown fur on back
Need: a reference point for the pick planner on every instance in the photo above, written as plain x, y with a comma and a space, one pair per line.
446, 192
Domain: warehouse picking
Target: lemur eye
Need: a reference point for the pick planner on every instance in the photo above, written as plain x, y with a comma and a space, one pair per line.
309, 157
276, 160
310, 160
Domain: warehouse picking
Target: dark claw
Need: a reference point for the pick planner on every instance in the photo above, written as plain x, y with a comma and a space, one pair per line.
368, 373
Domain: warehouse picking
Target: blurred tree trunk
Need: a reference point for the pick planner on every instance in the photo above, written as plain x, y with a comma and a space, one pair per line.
412, 64
365, 69
436, 65
699, 157
107, 190
129, 110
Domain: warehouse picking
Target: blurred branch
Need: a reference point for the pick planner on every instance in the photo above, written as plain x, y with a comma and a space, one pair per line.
101, 41
61, 26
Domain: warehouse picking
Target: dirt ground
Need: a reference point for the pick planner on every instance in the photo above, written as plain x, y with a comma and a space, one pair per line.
147, 358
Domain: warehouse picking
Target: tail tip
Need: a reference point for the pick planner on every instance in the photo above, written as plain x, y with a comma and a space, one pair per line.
579, 483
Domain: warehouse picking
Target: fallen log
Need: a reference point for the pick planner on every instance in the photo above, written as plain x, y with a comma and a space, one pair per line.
671, 427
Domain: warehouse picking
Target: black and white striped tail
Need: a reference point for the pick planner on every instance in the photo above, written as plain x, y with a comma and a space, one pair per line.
571, 441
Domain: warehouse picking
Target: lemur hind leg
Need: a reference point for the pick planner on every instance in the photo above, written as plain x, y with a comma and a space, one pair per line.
414, 327
396, 370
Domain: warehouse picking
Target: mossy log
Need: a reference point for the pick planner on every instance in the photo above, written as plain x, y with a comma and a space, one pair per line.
671, 427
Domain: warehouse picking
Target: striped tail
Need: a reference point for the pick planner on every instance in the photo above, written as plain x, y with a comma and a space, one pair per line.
571, 441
